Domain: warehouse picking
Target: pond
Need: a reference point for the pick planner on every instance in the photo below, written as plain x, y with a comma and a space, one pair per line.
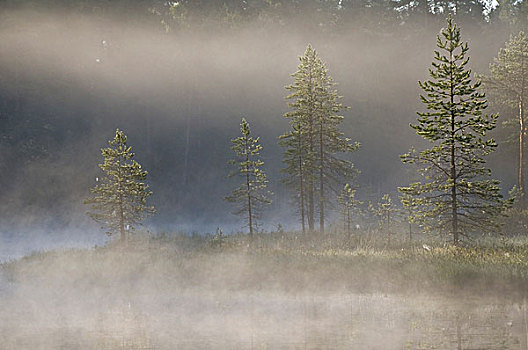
194, 319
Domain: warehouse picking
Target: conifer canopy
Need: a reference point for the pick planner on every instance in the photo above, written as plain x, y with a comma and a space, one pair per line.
251, 194
119, 199
456, 194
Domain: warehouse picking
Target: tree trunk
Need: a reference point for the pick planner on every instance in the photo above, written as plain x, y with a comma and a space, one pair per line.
454, 204
301, 180
310, 184
121, 209
250, 215
321, 179
520, 173
187, 147
348, 222
122, 220
410, 227
311, 206
388, 225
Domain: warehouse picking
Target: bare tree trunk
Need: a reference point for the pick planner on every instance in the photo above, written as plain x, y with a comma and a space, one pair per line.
301, 180
122, 220
321, 179
410, 231
250, 215
311, 206
344, 220
520, 173
190, 108
302, 205
121, 209
17, 90
453, 179
388, 226
348, 222
186, 155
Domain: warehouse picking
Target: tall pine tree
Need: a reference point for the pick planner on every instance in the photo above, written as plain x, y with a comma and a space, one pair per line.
457, 193
295, 161
313, 144
119, 200
251, 195
508, 83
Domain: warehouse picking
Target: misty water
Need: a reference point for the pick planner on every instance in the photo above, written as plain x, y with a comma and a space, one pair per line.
210, 320
68, 80
16, 244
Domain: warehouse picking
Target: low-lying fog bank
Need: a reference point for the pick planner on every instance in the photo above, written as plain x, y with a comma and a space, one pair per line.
280, 291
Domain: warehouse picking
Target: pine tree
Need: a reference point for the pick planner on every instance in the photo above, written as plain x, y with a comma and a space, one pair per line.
119, 200
386, 213
508, 83
348, 204
457, 193
251, 195
315, 140
294, 158
409, 208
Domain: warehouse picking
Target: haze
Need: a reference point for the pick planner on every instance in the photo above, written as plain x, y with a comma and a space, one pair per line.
71, 73
75, 77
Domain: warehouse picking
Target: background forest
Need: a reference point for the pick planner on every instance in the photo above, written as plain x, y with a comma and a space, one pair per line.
119, 109
178, 76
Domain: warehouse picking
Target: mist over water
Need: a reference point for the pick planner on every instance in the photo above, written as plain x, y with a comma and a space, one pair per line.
14, 245
171, 296
69, 79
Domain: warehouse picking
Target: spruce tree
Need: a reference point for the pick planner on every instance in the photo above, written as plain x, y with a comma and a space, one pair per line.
119, 200
508, 83
457, 193
251, 195
315, 140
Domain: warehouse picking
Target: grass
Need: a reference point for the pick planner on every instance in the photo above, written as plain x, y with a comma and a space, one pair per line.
173, 288
289, 262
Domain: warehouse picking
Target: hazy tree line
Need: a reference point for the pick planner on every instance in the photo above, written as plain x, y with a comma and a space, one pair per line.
455, 194
36, 131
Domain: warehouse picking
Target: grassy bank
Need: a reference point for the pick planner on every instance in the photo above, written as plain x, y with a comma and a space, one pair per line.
287, 262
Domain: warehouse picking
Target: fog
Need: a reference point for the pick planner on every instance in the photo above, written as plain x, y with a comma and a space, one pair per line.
69, 78
189, 296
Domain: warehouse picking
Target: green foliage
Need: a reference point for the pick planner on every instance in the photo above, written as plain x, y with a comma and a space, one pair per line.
251, 195
312, 146
323, 15
508, 83
515, 221
349, 206
408, 212
456, 194
514, 13
386, 212
119, 200
509, 71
